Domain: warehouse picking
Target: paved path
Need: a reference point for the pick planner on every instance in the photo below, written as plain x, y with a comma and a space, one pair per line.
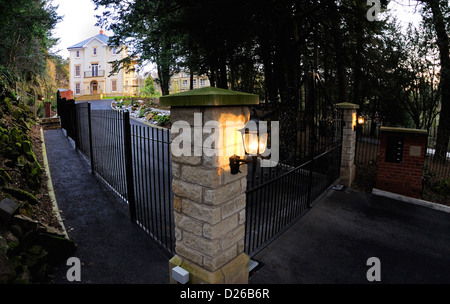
111, 248
104, 104
332, 243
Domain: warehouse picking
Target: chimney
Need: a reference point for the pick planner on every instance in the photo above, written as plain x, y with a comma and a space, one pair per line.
101, 32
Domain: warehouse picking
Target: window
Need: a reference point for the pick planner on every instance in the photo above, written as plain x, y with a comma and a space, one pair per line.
202, 82
114, 51
77, 54
195, 83
77, 88
114, 85
94, 51
185, 83
77, 71
94, 67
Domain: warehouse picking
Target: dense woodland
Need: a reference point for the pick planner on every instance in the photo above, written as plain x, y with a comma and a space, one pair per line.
26, 63
268, 47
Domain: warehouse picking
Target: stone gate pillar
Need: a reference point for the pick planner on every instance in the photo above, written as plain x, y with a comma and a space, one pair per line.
209, 202
348, 168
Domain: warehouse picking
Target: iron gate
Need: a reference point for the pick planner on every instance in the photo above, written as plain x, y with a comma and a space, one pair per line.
310, 159
138, 165
133, 160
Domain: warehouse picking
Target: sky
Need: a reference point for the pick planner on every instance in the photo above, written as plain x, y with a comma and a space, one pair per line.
78, 23
79, 20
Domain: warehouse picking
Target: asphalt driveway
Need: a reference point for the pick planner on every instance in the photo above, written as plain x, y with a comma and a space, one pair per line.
111, 248
330, 245
333, 242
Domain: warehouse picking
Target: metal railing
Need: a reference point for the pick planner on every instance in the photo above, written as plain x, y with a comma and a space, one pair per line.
152, 172
277, 197
311, 131
367, 143
91, 74
436, 169
134, 161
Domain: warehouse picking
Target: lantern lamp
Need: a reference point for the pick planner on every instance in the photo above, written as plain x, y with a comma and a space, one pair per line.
255, 143
361, 120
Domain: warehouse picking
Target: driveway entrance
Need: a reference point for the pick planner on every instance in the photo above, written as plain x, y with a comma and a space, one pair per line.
332, 243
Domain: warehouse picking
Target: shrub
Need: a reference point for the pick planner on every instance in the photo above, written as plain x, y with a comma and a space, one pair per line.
162, 119
443, 187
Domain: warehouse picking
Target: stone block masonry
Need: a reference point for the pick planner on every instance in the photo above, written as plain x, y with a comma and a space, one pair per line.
210, 207
209, 202
348, 168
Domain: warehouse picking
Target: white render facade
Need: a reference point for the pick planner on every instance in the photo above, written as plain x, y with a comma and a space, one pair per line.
90, 69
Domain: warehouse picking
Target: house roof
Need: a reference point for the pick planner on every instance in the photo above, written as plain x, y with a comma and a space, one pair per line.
101, 37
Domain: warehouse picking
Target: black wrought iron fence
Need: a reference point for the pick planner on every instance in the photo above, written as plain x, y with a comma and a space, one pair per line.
152, 174
436, 173
83, 129
67, 113
310, 158
133, 160
278, 197
436, 168
367, 143
108, 150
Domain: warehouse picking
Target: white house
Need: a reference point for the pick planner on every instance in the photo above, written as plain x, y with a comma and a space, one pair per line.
90, 69
180, 82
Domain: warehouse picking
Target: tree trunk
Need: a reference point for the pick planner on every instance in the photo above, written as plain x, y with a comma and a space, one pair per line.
443, 135
222, 79
357, 71
339, 52
163, 64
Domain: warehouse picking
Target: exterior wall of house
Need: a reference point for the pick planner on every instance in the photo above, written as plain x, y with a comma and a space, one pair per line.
180, 82
103, 55
76, 61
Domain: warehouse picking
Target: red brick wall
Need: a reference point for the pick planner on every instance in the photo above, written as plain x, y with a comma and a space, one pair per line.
404, 178
67, 94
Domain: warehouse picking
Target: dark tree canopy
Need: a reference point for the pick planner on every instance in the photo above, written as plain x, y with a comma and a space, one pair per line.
25, 35
269, 47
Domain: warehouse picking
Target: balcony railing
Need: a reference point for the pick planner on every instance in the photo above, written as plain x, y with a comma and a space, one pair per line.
90, 74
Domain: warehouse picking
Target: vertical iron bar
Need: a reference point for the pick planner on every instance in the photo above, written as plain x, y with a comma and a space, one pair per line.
116, 153
139, 172
170, 205
159, 185
155, 198
146, 174
91, 149
122, 163
142, 176
129, 164
163, 179
267, 202
312, 139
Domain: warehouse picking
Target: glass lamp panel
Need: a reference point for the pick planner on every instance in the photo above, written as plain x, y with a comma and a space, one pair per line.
263, 142
251, 143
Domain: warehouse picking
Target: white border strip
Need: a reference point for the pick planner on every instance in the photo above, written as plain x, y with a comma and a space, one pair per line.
411, 200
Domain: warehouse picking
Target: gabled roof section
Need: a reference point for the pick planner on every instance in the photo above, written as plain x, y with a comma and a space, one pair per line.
101, 37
